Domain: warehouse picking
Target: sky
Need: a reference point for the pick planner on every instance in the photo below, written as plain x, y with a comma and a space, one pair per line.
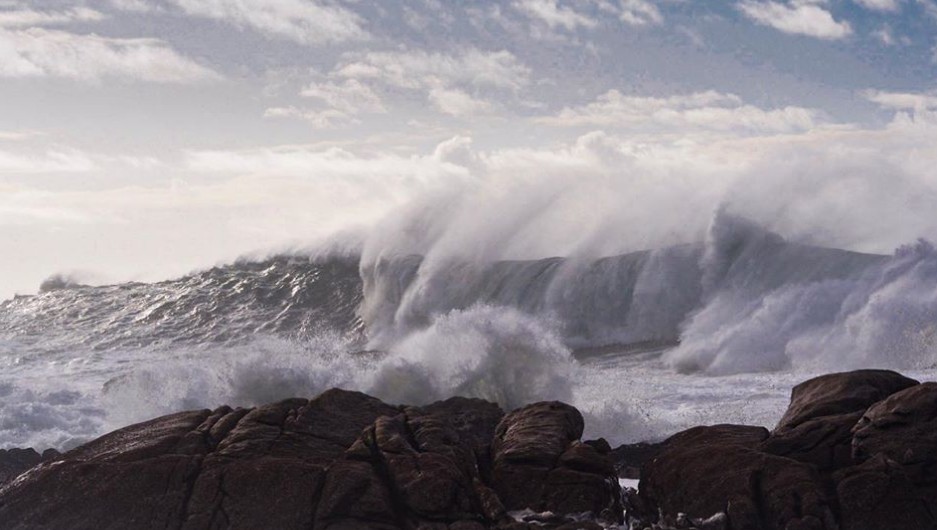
143, 139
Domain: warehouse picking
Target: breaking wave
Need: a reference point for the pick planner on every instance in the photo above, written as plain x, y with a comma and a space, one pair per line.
81, 359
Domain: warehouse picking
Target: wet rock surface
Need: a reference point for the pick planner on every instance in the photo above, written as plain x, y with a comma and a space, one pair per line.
854, 451
14, 462
340, 460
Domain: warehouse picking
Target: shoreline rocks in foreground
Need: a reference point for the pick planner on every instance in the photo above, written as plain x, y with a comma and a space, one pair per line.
854, 451
341, 460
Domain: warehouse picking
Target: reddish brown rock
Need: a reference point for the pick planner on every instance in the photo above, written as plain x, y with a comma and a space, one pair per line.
540, 464
903, 428
202, 469
825, 442
710, 470
13, 462
840, 393
341, 460
878, 494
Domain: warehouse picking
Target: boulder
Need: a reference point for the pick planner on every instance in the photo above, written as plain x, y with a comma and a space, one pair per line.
539, 464
629, 458
15, 461
878, 494
817, 427
707, 471
840, 393
903, 428
341, 460
825, 442
854, 451
201, 469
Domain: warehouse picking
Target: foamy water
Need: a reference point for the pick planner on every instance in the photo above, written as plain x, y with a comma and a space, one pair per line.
692, 334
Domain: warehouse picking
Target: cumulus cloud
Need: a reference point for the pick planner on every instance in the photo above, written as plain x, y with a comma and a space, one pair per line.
456, 102
320, 119
708, 110
16, 136
800, 17
640, 12
39, 52
61, 160
919, 101
351, 96
880, 5
304, 21
554, 15
134, 6
422, 69
458, 84
20, 17
340, 102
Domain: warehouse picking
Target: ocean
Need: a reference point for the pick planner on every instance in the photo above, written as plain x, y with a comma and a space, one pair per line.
644, 344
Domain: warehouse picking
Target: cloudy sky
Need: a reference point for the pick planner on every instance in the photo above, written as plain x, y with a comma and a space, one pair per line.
141, 139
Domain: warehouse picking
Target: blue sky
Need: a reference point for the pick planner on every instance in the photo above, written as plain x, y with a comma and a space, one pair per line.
141, 139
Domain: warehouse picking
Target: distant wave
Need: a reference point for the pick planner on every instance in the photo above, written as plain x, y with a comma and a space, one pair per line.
288, 296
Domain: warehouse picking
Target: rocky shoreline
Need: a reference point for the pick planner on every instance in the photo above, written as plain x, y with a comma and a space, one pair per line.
854, 451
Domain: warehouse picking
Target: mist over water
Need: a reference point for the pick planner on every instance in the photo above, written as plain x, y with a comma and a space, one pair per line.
652, 297
644, 343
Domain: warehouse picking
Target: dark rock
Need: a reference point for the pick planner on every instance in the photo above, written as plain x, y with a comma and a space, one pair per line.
718, 436
15, 461
226, 468
878, 494
710, 470
540, 464
825, 442
841, 393
854, 451
903, 428
341, 460
629, 458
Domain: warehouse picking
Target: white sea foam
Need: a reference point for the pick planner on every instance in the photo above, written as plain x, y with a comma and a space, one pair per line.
732, 323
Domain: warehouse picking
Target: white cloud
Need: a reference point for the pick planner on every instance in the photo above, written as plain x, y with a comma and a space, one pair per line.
640, 13
343, 102
62, 160
456, 102
918, 101
460, 84
703, 110
884, 35
24, 17
556, 15
38, 52
880, 5
302, 21
553, 14
16, 136
320, 119
350, 97
134, 6
422, 69
798, 17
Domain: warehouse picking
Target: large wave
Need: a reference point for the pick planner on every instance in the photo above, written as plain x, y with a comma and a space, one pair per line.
409, 328
742, 300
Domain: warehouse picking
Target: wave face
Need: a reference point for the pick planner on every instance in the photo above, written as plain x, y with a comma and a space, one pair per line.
79, 360
735, 302
286, 296
637, 297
